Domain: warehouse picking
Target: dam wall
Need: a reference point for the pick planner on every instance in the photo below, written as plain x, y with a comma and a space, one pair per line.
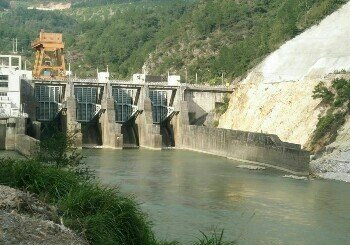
13, 137
258, 148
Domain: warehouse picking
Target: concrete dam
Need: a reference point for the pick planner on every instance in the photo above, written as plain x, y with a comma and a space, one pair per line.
129, 114
145, 112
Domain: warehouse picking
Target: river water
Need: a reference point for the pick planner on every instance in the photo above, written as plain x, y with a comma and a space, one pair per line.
185, 192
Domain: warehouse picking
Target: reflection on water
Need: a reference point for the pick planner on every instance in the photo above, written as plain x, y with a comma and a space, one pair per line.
185, 192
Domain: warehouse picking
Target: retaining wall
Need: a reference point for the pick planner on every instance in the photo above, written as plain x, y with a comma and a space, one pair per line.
258, 148
26, 145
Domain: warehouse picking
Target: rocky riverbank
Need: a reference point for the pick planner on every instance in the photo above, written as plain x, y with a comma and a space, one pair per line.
26, 220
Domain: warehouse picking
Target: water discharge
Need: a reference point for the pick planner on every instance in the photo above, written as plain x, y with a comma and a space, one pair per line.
185, 192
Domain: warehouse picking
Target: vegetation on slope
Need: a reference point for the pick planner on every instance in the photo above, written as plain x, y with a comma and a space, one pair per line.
337, 101
234, 36
208, 37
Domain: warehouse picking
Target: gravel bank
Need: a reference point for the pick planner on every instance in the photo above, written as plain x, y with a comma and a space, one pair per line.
26, 220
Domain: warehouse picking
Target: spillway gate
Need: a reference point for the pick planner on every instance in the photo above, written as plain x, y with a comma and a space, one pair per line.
49, 99
160, 106
88, 103
124, 104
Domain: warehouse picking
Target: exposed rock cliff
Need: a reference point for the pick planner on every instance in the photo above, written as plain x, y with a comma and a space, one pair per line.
276, 97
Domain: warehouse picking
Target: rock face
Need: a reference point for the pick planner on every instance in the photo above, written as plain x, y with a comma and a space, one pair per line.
25, 220
276, 97
335, 162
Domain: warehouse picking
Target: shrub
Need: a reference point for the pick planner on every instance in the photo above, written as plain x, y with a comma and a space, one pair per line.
337, 98
224, 106
322, 92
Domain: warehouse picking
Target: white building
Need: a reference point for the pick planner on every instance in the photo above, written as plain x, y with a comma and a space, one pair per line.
11, 74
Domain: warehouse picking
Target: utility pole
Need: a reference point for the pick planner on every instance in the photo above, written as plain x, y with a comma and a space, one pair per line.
186, 76
222, 79
13, 45
16, 46
196, 77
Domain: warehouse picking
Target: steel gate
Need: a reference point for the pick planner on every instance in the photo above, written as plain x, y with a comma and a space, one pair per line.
86, 103
159, 105
49, 99
123, 100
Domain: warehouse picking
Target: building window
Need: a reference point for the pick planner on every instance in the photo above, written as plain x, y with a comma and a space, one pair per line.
3, 94
4, 77
4, 84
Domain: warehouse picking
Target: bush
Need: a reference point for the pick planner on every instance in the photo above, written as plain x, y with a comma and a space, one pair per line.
222, 108
328, 125
322, 92
337, 98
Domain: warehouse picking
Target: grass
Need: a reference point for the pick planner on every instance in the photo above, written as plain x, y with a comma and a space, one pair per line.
101, 214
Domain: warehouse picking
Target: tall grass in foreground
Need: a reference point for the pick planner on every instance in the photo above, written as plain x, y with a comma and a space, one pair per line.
100, 214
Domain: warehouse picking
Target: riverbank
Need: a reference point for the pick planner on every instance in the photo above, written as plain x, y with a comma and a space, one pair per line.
100, 214
23, 217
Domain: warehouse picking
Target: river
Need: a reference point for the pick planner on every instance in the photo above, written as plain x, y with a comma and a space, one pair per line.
186, 192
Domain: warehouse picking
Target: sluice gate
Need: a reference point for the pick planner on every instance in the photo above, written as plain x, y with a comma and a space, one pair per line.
126, 111
49, 102
162, 113
88, 110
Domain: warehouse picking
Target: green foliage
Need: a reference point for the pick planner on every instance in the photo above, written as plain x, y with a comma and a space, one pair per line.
224, 106
322, 92
337, 98
4, 4
328, 125
57, 148
206, 36
102, 214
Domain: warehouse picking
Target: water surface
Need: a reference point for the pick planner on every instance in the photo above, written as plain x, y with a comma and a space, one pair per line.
185, 192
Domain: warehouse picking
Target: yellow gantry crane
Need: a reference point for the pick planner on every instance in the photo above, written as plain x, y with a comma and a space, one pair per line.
49, 57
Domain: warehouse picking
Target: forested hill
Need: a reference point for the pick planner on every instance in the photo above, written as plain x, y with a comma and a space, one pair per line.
209, 37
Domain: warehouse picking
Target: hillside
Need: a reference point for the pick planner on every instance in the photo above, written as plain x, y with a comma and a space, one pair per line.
208, 37
277, 96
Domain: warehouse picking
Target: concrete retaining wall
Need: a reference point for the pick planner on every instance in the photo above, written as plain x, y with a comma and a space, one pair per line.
26, 145
13, 137
262, 149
